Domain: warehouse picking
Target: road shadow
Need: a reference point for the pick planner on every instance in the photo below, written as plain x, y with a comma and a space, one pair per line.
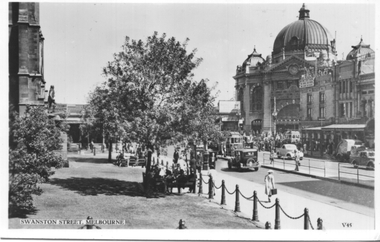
96, 186
236, 170
89, 160
345, 192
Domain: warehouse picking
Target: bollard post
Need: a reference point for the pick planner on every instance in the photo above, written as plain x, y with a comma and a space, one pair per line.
210, 193
237, 202
255, 216
357, 174
306, 219
277, 224
94, 150
267, 225
338, 171
200, 183
223, 200
182, 224
319, 224
283, 162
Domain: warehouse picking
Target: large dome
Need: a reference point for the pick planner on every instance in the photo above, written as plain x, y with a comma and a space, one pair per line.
301, 34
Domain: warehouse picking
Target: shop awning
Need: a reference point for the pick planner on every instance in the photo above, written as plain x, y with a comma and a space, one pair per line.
345, 127
313, 128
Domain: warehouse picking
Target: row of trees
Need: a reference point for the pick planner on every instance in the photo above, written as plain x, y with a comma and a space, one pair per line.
151, 96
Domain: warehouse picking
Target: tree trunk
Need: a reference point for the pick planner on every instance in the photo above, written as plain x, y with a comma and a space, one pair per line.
110, 152
147, 187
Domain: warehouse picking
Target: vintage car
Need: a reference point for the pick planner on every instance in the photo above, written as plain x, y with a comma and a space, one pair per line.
287, 151
244, 159
345, 148
364, 158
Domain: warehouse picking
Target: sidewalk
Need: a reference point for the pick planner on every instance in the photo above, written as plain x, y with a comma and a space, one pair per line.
334, 218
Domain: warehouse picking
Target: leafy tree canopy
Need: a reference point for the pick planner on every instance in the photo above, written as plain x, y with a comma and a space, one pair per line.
33, 139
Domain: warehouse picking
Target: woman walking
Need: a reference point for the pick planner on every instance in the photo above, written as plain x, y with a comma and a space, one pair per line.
269, 184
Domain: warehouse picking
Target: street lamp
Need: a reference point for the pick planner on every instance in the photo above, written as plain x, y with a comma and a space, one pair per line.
274, 114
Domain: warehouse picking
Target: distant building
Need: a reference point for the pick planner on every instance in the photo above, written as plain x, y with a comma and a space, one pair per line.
26, 56
301, 86
230, 114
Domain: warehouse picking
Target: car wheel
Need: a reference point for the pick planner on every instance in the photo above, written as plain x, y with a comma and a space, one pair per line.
355, 164
256, 169
288, 156
370, 166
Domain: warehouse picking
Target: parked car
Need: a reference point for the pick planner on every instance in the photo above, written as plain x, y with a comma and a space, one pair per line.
344, 148
287, 151
244, 159
364, 158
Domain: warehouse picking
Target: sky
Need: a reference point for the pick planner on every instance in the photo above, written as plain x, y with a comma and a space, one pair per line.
80, 38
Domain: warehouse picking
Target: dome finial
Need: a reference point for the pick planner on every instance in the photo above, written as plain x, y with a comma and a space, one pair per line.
304, 12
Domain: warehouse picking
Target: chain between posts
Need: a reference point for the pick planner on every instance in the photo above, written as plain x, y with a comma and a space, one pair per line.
248, 198
204, 181
311, 225
231, 193
291, 216
217, 187
265, 206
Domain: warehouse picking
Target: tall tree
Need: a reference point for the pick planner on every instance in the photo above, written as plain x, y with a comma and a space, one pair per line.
150, 94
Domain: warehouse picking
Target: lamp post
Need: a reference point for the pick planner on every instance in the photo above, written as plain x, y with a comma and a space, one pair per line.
274, 114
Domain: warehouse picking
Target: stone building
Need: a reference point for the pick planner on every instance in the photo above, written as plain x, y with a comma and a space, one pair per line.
26, 59
282, 91
301, 86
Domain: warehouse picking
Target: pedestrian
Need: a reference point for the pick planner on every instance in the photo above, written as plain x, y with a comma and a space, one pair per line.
271, 156
269, 184
296, 159
51, 98
93, 147
175, 156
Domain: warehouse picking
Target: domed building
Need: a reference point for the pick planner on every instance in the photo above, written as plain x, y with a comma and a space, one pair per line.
303, 35
269, 89
302, 87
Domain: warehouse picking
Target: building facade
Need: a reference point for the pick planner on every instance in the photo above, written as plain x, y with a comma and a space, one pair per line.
302, 85
26, 58
272, 90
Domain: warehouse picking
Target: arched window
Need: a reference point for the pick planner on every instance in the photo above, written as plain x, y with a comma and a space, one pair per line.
257, 98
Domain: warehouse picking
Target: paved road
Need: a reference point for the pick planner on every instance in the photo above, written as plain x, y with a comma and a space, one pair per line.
352, 198
325, 168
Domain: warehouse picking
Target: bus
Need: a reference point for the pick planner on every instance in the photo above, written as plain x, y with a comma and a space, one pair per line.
234, 141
